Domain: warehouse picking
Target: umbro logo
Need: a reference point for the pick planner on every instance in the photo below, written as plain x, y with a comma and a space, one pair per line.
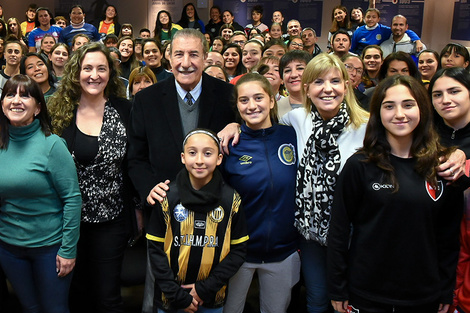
245, 159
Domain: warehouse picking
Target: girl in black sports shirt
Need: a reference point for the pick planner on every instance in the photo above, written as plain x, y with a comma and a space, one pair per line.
402, 252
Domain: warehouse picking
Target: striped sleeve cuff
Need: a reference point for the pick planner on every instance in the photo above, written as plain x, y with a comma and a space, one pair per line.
235, 241
155, 238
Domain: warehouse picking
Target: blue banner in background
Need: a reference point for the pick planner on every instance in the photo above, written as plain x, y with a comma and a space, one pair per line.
461, 20
411, 9
308, 12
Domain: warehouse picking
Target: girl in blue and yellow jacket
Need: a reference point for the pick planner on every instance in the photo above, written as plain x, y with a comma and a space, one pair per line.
262, 168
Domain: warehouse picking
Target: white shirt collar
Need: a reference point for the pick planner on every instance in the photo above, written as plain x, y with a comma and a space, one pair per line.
373, 27
195, 93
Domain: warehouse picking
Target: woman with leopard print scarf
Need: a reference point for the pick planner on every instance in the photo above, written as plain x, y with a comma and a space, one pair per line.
330, 128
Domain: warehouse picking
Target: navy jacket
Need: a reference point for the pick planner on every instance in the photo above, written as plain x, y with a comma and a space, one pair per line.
262, 168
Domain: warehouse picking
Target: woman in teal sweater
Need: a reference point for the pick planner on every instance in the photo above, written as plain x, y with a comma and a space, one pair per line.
40, 201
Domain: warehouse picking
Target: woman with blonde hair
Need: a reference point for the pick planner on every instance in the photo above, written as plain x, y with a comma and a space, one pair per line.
329, 127
90, 112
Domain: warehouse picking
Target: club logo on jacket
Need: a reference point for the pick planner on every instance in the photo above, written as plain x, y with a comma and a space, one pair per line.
180, 213
435, 194
245, 159
286, 153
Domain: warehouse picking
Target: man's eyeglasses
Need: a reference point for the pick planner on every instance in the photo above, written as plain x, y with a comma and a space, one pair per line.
351, 69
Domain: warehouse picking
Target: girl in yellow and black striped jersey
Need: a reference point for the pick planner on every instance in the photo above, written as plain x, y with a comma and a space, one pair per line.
197, 237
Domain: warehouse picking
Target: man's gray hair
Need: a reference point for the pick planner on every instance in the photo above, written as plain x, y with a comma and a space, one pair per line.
294, 20
309, 28
191, 33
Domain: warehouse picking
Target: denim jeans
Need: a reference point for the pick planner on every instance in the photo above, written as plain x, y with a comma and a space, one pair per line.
313, 260
32, 273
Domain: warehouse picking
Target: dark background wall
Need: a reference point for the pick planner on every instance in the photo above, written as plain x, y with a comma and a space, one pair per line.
436, 30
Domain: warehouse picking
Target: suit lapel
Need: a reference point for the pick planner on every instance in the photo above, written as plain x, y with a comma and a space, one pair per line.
207, 102
172, 112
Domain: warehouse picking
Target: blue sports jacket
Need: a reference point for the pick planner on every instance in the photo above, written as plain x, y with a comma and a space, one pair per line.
262, 168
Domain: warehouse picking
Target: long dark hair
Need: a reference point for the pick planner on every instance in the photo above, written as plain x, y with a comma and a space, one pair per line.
36, 18
157, 32
157, 43
115, 18
457, 73
30, 87
77, 6
356, 23
366, 78
165, 62
184, 21
3, 32
456, 48
50, 78
132, 59
240, 68
425, 147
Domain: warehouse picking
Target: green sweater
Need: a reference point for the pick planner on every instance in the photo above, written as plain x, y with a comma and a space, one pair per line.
39, 192
168, 35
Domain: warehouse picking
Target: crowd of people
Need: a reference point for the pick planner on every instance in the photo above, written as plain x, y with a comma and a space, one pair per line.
229, 150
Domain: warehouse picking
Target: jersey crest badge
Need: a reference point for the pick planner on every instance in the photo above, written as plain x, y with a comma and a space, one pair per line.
435, 194
286, 154
217, 215
180, 213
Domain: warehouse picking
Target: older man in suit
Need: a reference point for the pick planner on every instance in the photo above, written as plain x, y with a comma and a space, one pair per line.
165, 112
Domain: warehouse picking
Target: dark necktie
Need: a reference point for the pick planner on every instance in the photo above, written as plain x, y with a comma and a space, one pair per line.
189, 99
